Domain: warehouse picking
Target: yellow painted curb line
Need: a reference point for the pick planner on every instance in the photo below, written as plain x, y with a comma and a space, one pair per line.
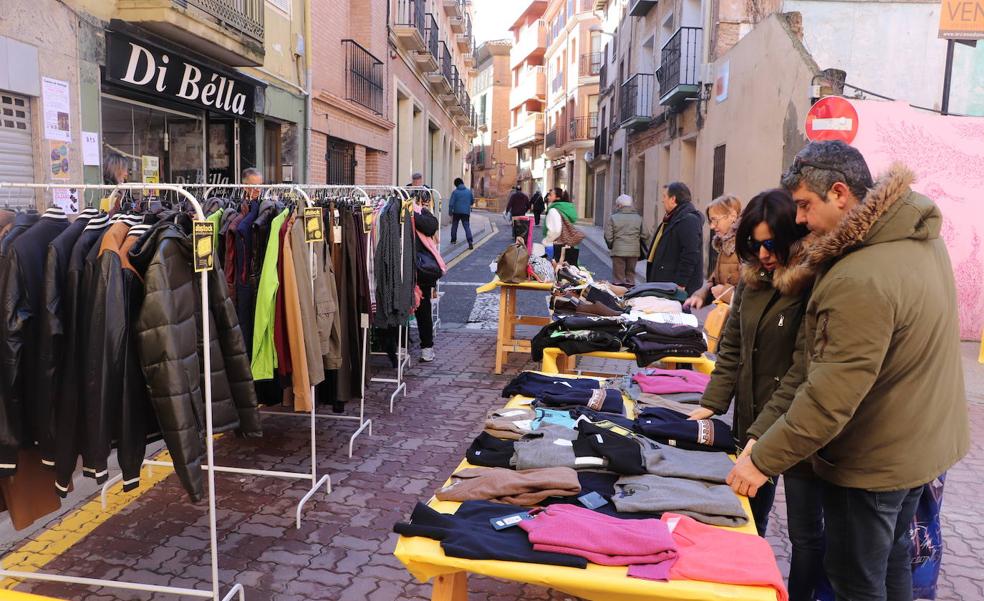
462, 256
76, 525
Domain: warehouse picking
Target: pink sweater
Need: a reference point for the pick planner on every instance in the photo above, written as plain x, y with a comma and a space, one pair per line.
713, 554
644, 545
670, 381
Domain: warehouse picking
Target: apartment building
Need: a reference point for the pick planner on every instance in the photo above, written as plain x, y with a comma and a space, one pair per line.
573, 65
391, 101
528, 98
493, 165
185, 92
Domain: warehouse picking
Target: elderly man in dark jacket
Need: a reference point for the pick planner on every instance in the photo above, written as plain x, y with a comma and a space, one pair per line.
882, 410
676, 253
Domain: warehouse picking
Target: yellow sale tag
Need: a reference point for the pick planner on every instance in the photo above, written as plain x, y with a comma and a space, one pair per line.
314, 231
202, 234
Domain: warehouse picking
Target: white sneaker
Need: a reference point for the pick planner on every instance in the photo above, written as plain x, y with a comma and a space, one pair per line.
427, 354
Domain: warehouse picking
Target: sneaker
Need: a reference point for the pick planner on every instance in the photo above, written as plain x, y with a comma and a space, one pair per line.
427, 354
471, 247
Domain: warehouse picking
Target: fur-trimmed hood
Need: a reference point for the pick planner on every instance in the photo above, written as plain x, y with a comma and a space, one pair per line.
890, 211
790, 279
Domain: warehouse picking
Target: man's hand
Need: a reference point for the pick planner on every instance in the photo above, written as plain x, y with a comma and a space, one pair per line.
745, 478
748, 448
701, 413
694, 302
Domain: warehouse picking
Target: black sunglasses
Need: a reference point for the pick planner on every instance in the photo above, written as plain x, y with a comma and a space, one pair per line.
755, 245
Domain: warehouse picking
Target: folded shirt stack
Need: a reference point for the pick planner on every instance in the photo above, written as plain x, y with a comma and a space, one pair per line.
724, 556
654, 341
488, 451
669, 381
469, 534
672, 427
551, 446
516, 487
707, 502
559, 417
532, 384
658, 289
671, 462
654, 304
608, 400
645, 546
510, 424
577, 334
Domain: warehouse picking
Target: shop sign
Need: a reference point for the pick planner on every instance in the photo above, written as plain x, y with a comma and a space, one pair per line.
136, 64
962, 19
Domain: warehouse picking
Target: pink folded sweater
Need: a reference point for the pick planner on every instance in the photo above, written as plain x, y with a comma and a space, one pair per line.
670, 381
644, 545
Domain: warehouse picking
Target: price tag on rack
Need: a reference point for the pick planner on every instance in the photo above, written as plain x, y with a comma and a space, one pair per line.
203, 233
314, 230
367, 217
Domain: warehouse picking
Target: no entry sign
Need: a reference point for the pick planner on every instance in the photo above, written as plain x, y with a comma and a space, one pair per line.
832, 118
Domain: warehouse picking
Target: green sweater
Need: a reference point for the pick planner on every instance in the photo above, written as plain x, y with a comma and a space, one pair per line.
567, 211
264, 353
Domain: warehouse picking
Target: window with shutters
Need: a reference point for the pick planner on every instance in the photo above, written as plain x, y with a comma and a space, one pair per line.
717, 186
16, 149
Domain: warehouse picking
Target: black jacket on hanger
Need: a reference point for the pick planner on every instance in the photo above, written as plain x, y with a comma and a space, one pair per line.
169, 337
20, 308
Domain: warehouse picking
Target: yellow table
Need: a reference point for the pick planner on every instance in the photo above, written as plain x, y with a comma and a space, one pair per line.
555, 361
425, 559
506, 341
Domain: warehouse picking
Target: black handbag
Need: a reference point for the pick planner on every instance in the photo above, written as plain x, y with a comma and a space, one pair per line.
428, 270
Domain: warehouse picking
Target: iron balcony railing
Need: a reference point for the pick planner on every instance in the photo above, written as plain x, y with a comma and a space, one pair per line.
583, 128
637, 98
445, 61
591, 64
601, 143
454, 80
550, 141
680, 60
410, 13
432, 36
363, 77
245, 16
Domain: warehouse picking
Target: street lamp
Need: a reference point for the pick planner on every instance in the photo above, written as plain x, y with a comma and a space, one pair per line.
598, 29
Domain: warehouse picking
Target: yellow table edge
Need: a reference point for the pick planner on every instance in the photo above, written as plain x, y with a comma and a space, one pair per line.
424, 559
497, 283
552, 354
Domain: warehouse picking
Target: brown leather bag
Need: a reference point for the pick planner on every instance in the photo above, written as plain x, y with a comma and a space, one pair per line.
513, 264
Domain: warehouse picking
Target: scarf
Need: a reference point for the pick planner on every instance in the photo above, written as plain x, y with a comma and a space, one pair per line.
566, 210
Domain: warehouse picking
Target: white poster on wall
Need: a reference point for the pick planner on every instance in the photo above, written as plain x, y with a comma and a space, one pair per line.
721, 81
90, 148
57, 106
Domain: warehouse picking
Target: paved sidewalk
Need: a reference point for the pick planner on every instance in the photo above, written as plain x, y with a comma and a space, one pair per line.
343, 550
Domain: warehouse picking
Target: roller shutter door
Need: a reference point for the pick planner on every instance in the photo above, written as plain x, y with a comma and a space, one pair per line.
16, 149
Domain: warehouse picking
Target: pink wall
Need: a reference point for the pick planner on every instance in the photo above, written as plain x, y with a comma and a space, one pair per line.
947, 155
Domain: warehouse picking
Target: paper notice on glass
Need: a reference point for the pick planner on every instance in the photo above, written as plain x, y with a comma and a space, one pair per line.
56, 107
67, 199
90, 148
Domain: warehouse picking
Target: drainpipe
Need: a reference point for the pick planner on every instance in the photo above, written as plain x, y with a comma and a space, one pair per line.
308, 111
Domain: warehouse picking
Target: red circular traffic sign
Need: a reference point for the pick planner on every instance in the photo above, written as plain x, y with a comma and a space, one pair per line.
832, 118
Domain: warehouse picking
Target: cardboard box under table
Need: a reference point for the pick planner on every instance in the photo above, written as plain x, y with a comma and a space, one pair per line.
425, 559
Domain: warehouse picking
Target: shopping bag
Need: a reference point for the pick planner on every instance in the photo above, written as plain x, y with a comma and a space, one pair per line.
512, 266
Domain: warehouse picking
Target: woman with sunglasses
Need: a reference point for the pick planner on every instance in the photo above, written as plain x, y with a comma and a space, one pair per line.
756, 352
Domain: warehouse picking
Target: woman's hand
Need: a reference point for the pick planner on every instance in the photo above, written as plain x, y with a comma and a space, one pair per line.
694, 302
701, 413
748, 448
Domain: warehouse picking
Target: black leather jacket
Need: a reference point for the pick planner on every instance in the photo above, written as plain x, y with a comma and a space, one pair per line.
169, 340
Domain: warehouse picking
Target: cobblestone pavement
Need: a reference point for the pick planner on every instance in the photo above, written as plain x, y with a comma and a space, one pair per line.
343, 551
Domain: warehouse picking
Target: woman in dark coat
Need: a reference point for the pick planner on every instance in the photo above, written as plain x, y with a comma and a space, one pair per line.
760, 364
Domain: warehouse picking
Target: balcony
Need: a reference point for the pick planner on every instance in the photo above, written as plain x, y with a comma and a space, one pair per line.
603, 75
641, 8
454, 8
430, 59
557, 83
679, 72
363, 77
583, 128
470, 128
409, 24
231, 31
449, 96
532, 44
637, 100
601, 144
464, 39
532, 86
457, 108
550, 141
591, 64
529, 130
440, 80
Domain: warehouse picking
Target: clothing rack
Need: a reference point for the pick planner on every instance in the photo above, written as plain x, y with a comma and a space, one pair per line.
316, 482
214, 592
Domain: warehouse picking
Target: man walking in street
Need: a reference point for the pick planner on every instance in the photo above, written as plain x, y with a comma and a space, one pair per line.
677, 250
882, 409
460, 205
517, 206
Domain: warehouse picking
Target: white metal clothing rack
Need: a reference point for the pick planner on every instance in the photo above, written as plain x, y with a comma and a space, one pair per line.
312, 477
214, 592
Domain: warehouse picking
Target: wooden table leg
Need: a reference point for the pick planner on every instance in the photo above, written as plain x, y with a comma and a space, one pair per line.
451, 587
500, 341
563, 363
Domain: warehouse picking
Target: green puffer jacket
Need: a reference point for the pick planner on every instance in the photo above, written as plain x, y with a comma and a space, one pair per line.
883, 406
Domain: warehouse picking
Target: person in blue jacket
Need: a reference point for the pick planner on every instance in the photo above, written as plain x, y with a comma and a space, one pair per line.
459, 206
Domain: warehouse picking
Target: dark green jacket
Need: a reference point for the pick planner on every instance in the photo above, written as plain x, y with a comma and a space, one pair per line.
882, 407
758, 345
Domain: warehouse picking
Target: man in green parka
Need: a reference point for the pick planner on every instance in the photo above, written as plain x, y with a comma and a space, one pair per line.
882, 410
